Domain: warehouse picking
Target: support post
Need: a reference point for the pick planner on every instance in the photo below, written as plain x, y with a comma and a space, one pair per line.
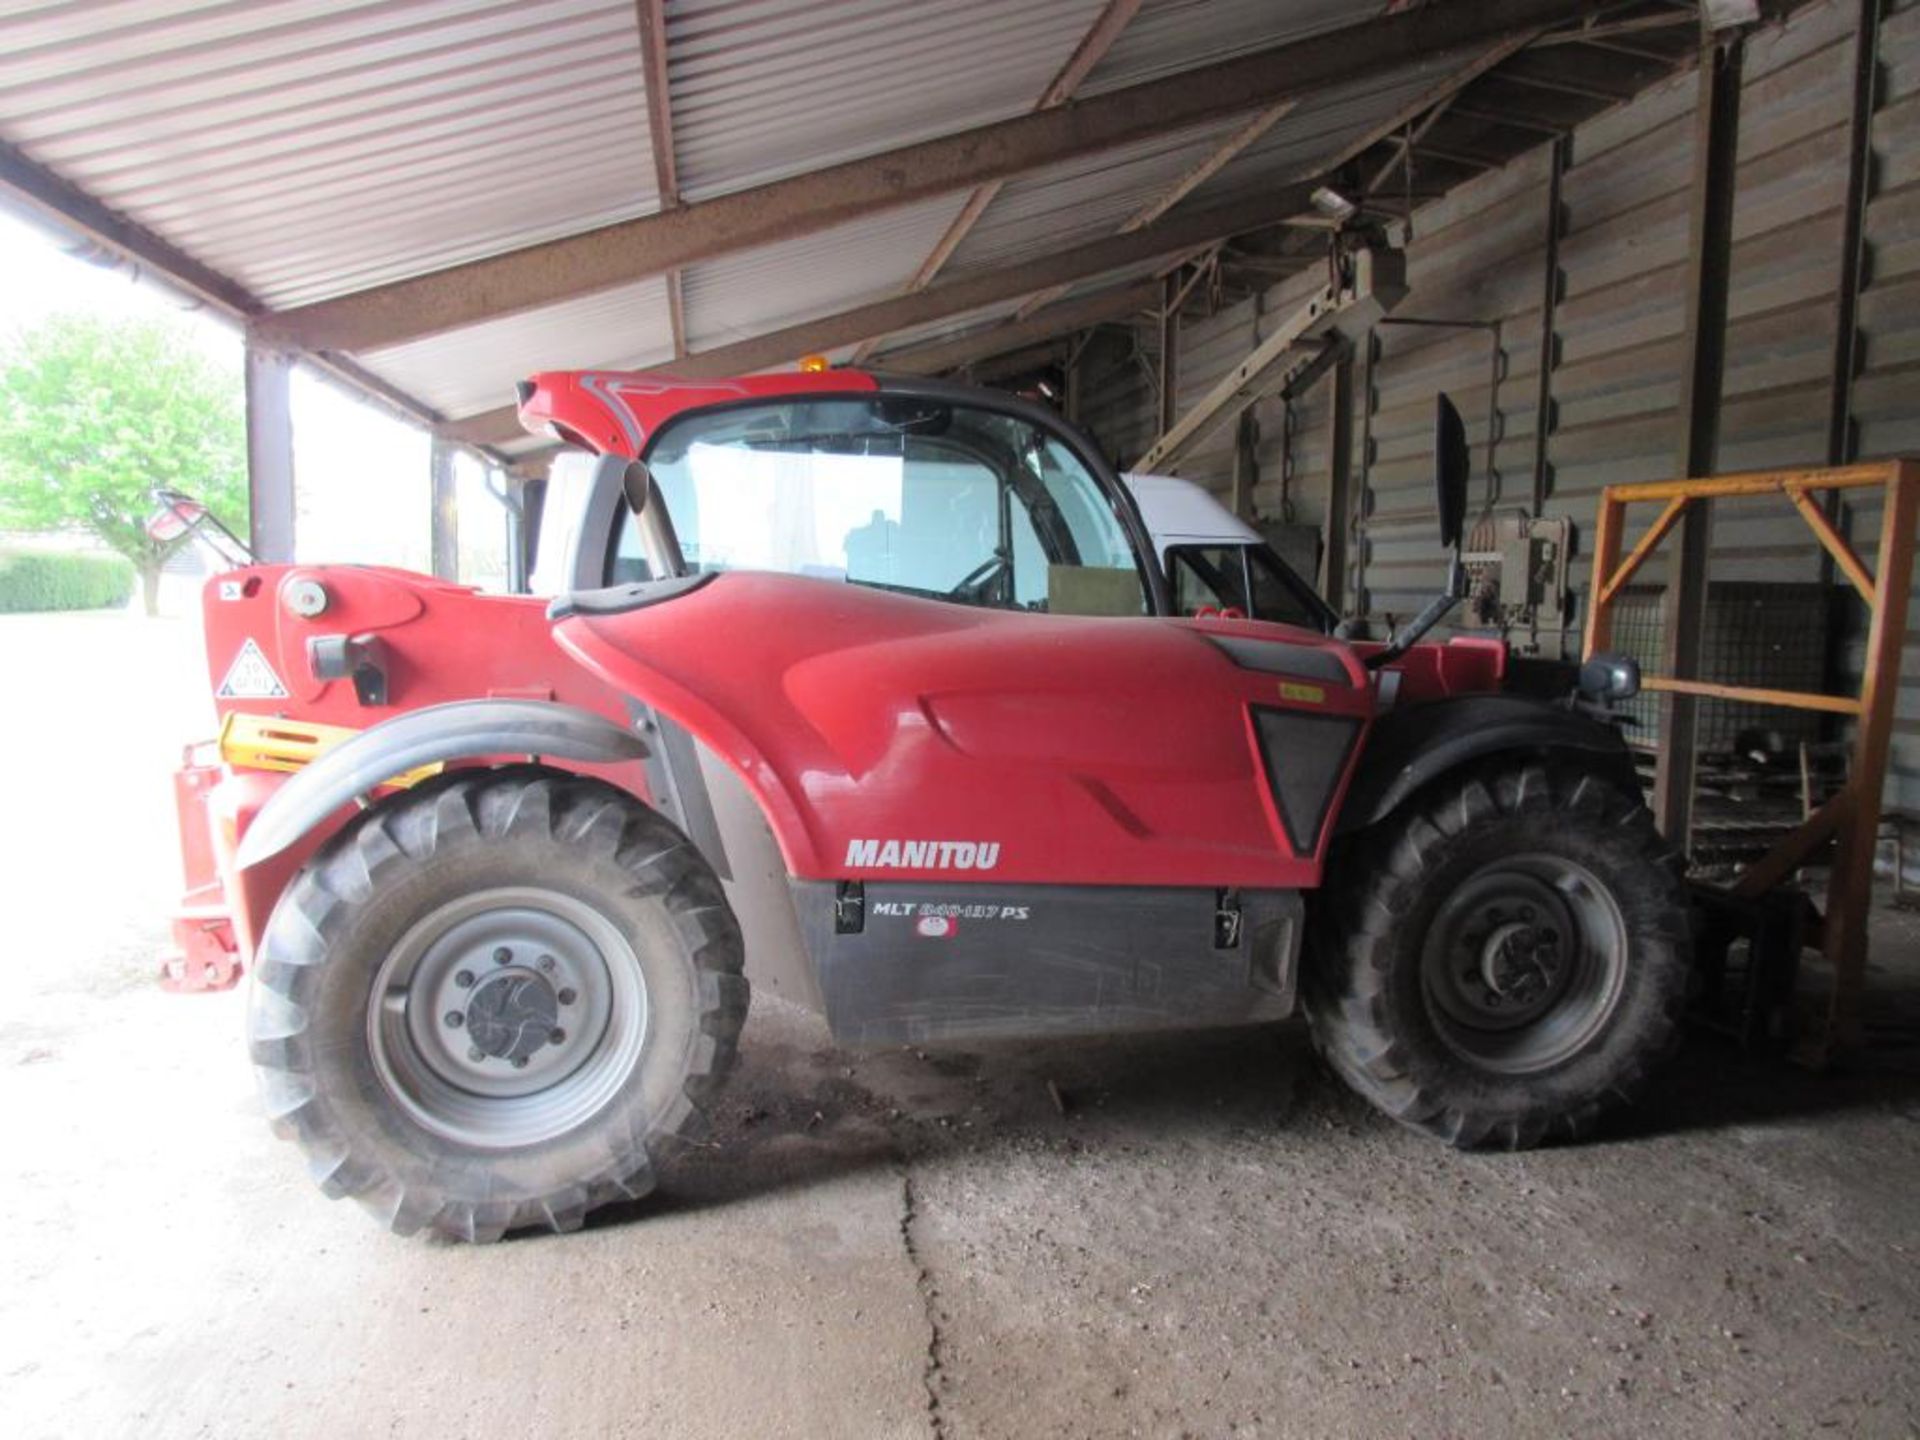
269, 455
1169, 351
1866, 67
1549, 307
444, 526
1850, 881
1333, 573
1361, 602
1716, 134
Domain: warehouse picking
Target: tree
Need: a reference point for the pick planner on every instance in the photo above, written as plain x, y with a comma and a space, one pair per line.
95, 413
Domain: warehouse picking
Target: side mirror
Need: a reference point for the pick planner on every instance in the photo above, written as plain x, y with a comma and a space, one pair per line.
1453, 465
637, 482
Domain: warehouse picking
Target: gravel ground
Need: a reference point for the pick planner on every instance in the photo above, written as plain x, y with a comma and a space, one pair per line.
1201, 1235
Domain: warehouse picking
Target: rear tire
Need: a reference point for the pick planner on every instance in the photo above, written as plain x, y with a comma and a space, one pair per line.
1511, 957
495, 1001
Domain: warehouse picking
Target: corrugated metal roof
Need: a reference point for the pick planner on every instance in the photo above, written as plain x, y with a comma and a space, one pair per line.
811, 275
767, 88
1322, 126
306, 149
309, 148
1083, 199
1172, 35
474, 369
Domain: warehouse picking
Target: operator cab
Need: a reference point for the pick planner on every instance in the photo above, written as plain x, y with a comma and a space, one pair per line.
923, 490
938, 499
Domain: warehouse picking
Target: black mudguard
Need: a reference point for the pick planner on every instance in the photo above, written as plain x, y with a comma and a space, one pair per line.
1411, 748
463, 730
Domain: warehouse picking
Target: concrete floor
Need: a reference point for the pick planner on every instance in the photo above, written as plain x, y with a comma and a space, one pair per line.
1213, 1239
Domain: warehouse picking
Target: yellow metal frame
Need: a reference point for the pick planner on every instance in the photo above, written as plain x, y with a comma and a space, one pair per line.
1851, 819
270, 742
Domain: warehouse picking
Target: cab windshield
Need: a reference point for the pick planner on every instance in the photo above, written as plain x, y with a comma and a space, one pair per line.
921, 497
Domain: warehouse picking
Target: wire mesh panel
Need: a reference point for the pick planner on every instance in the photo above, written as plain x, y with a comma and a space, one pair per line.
1758, 633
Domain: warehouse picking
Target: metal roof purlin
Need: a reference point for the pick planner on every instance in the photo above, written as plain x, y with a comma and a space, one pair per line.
652, 17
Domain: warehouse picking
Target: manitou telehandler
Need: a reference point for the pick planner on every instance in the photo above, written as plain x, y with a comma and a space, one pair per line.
872, 689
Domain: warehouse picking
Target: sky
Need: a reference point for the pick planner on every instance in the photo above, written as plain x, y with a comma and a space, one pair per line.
361, 477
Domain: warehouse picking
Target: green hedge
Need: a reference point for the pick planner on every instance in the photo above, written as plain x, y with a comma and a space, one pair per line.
36, 580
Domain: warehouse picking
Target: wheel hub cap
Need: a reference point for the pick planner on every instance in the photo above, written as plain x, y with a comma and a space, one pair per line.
1523, 961
513, 1015
506, 1016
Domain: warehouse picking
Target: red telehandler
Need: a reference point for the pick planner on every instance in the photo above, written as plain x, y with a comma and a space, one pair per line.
869, 689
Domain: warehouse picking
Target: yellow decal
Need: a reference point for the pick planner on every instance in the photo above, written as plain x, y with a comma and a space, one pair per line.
270, 742
1305, 694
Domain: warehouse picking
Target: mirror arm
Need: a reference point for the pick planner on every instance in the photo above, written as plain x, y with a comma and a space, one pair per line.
657, 535
1436, 610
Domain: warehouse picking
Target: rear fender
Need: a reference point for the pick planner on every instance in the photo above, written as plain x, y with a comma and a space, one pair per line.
1413, 746
463, 730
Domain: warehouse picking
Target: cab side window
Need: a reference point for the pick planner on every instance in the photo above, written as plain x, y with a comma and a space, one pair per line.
1243, 578
1274, 598
1207, 577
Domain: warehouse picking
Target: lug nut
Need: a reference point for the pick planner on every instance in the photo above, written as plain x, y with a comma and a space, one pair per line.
455, 1019
556, 1036
476, 1054
546, 962
464, 979
519, 1062
502, 956
567, 997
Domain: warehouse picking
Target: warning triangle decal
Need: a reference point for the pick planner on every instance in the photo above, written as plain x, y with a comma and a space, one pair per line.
250, 677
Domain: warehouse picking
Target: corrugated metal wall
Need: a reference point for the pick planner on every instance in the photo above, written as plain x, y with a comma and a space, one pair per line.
1886, 396
1478, 255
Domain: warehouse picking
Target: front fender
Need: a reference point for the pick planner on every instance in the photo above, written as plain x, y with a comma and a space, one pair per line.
1411, 747
463, 730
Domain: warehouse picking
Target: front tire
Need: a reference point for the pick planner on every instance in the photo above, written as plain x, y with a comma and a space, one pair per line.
495, 1001
1512, 957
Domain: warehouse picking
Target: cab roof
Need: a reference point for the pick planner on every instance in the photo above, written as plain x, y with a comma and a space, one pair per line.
616, 411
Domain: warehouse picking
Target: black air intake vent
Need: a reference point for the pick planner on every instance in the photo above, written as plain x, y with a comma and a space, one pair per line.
1305, 757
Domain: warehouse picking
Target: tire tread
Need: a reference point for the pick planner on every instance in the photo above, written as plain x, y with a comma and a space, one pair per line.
502, 803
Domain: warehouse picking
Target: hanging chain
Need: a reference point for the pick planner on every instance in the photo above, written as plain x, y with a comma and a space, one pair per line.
1288, 425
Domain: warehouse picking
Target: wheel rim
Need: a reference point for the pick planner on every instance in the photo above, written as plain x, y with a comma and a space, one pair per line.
1524, 963
508, 1016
